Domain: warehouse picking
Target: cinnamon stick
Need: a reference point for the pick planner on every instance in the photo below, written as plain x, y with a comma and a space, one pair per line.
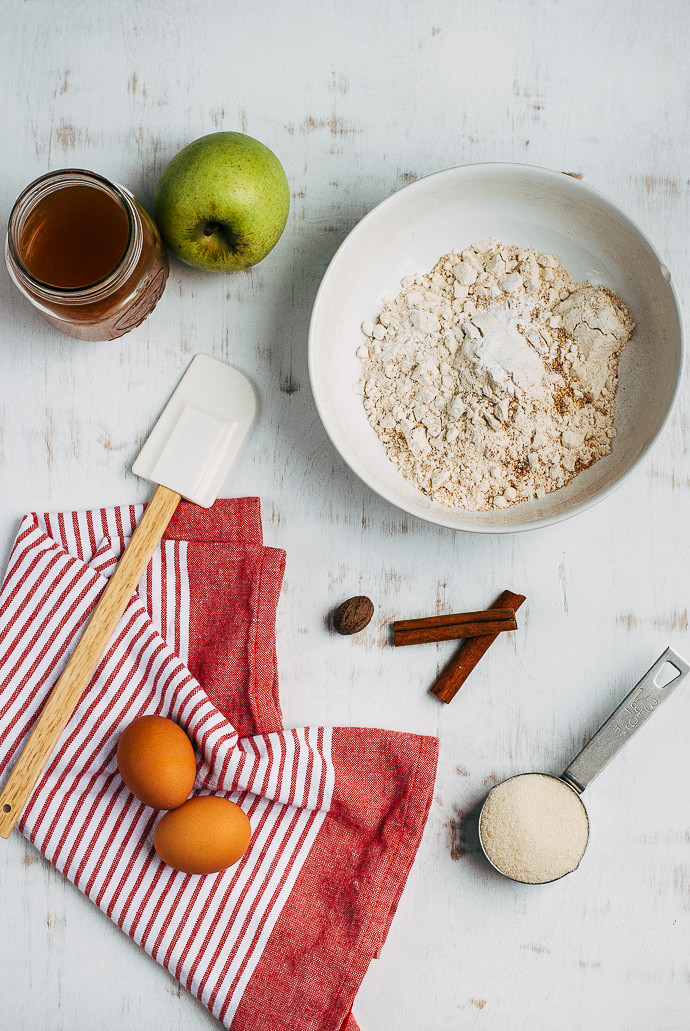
458, 624
470, 652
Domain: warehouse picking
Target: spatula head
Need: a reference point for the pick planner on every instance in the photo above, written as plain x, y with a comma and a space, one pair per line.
200, 431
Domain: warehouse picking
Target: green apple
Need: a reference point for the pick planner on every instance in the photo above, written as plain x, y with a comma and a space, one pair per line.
221, 204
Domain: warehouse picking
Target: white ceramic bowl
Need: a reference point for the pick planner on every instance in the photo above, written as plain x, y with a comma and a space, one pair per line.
529, 207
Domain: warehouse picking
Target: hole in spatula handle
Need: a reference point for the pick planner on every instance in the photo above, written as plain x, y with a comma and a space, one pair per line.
7, 808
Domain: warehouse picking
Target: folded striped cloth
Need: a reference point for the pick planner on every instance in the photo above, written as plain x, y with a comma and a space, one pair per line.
282, 940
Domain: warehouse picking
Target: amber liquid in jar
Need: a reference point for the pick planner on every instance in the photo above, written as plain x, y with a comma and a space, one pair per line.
86, 254
74, 237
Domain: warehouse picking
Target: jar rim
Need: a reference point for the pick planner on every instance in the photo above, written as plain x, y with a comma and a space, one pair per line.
35, 192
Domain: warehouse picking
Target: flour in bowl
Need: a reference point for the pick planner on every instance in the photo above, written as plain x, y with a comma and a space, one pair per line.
492, 378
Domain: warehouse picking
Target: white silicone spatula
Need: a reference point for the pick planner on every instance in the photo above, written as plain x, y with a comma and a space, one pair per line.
188, 454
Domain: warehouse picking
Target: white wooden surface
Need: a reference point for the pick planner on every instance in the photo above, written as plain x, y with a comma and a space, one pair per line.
357, 100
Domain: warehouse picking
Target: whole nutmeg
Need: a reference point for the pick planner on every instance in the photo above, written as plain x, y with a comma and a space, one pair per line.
353, 615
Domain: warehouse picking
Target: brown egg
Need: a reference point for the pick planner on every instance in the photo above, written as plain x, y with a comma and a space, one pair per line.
205, 835
156, 761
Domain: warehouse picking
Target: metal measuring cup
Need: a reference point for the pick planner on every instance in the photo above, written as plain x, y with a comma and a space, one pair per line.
534, 828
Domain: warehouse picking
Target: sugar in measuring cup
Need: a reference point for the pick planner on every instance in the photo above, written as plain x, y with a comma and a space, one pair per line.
534, 828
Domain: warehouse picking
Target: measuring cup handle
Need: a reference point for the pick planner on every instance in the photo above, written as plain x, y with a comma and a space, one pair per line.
626, 720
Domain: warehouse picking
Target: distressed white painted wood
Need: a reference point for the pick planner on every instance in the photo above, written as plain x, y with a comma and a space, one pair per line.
357, 100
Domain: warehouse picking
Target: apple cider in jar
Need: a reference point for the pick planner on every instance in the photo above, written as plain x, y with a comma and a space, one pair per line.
86, 254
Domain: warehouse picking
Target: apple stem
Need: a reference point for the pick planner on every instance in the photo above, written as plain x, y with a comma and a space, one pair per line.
211, 228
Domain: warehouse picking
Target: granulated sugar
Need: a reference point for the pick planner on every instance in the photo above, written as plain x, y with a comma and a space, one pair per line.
534, 828
492, 379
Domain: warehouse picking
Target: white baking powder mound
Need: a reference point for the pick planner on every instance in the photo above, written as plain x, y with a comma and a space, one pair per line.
491, 379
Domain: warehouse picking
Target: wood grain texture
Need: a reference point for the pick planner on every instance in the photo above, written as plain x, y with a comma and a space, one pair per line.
358, 102
83, 661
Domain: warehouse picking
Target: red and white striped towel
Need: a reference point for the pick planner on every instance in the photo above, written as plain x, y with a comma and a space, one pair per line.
281, 940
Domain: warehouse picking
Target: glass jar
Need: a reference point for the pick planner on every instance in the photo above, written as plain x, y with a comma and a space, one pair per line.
85, 254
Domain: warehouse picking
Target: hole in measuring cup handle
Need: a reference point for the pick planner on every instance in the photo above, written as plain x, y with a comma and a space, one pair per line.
666, 675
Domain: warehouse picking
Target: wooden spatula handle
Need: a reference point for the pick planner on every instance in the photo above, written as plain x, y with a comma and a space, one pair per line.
82, 663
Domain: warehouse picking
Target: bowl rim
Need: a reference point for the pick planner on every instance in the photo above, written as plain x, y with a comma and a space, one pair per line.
508, 167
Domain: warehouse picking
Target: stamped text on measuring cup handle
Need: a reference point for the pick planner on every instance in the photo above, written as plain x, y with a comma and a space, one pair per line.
633, 713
